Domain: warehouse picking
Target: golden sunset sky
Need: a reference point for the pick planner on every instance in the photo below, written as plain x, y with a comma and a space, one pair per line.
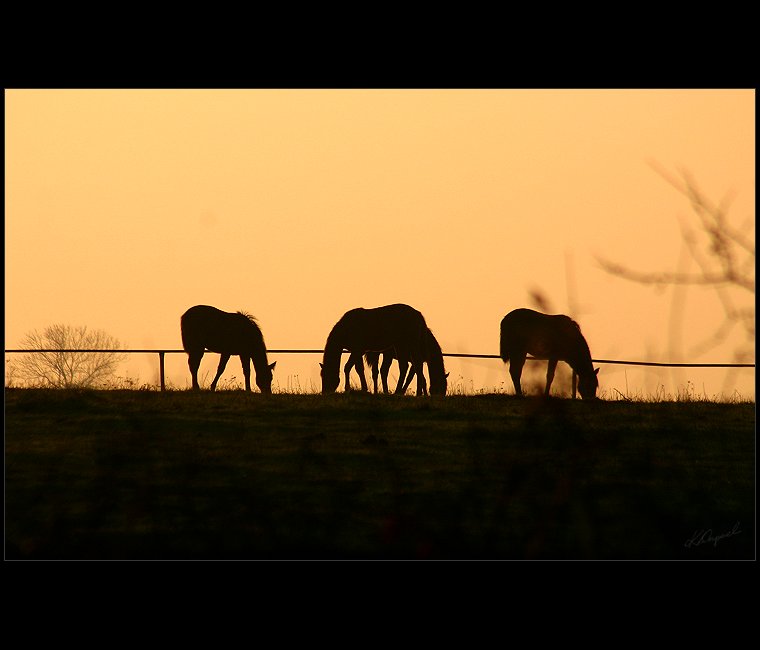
123, 208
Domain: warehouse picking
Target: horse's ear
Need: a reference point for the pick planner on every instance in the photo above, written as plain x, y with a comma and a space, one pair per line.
321, 366
271, 367
447, 375
596, 372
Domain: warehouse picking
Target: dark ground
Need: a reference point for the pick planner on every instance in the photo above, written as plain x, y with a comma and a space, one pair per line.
182, 475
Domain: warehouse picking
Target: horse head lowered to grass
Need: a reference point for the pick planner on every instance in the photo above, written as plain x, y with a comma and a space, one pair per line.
432, 355
398, 327
237, 333
556, 338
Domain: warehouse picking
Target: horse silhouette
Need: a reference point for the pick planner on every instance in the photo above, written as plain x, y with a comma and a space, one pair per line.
205, 327
556, 338
432, 355
397, 327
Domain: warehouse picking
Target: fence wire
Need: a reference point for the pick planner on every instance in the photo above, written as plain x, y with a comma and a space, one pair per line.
445, 354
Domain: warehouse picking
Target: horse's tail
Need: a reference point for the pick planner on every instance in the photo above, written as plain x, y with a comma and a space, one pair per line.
183, 324
372, 357
503, 349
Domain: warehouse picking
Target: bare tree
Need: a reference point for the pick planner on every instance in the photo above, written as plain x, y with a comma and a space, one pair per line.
725, 258
65, 357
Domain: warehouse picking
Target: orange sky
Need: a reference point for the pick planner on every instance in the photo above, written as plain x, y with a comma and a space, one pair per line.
126, 207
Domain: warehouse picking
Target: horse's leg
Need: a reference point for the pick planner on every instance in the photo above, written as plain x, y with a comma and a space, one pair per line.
550, 374
403, 367
421, 378
516, 363
375, 373
245, 361
222, 365
194, 362
355, 361
421, 381
360, 370
408, 381
385, 369
347, 370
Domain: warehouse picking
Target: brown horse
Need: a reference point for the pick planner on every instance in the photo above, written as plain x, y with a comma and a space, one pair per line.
433, 356
394, 327
205, 327
556, 338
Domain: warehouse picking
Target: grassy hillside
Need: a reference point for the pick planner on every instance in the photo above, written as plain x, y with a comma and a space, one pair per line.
147, 475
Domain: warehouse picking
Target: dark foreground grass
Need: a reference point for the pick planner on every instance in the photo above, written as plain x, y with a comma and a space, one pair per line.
182, 475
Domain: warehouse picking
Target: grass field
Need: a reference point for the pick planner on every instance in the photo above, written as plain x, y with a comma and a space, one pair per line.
183, 475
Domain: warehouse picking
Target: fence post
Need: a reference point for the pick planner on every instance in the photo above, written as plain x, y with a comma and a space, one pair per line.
161, 369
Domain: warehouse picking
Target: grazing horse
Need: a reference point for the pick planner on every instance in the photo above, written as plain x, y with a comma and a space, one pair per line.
556, 338
433, 356
394, 327
205, 327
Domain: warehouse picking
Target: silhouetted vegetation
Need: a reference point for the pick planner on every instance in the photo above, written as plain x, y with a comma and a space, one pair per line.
146, 475
64, 358
724, 255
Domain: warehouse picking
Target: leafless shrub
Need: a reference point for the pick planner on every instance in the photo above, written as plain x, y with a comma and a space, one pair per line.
64, 358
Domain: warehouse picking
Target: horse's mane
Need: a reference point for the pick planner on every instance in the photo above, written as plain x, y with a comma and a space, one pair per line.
582, 341
250, 317
432, 341
334, 344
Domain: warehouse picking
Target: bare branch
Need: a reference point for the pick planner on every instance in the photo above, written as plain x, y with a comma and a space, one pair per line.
68, 369
688, 188
725, 257
665, 277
